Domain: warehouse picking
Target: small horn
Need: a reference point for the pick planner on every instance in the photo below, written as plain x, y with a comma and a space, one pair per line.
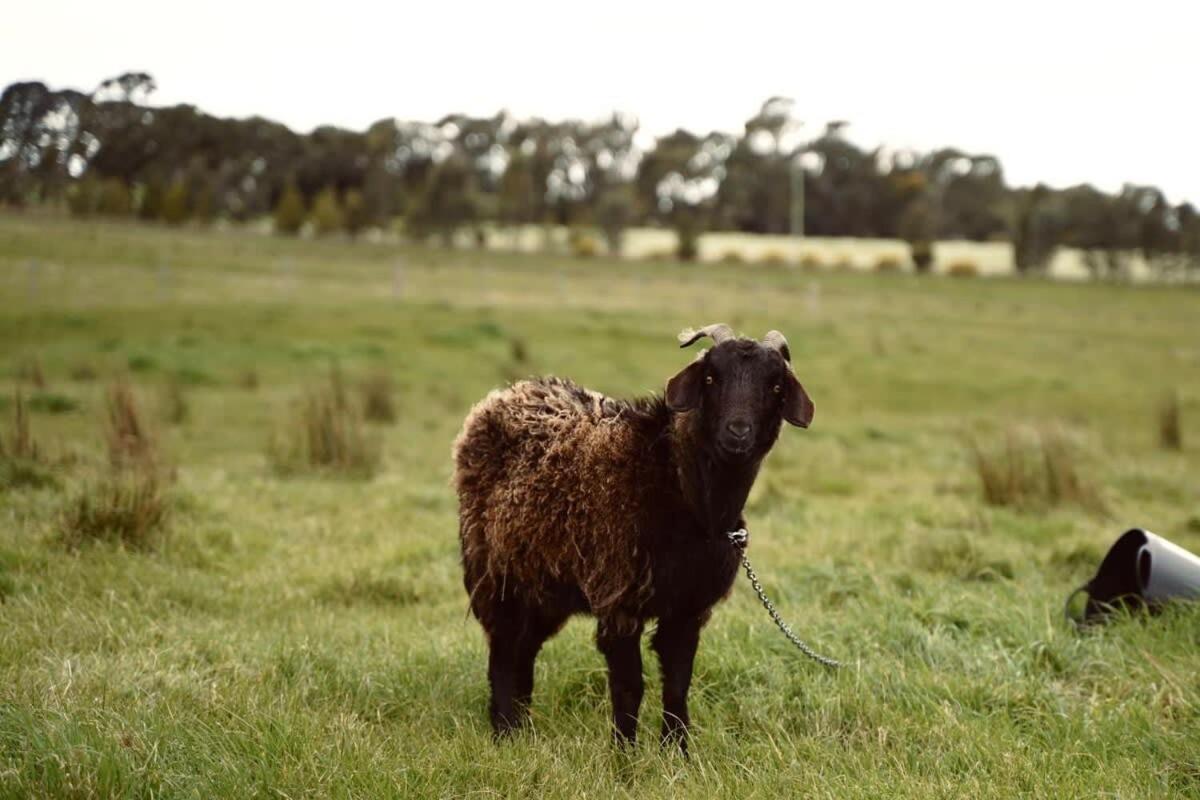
718, 331
776, 341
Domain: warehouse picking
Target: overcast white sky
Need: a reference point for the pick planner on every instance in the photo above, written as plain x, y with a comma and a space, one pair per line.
1062, 92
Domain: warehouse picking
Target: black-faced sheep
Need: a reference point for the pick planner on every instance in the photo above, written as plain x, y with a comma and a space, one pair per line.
573, 502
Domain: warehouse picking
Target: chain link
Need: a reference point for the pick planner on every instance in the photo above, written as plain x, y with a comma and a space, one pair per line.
738, 539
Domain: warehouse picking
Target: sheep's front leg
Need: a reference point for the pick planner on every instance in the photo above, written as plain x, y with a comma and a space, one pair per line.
625, 684
676, 641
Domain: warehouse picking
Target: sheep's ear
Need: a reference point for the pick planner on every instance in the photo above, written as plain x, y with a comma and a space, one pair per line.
683, 391
797, 407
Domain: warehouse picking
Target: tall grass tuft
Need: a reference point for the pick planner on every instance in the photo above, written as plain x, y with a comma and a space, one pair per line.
129, 439
1064, 484
22, 460
378, 399
30, 371
83, 372
129, 506
20, 442
1033, 471
129, 502
325, 434
1170, 424
248, 380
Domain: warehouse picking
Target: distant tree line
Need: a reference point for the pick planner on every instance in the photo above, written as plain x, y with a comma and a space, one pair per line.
107, 152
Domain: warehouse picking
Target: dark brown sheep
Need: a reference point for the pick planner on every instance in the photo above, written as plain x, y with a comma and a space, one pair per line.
573, 502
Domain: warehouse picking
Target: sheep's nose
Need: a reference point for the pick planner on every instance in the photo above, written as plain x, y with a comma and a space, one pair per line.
739, 428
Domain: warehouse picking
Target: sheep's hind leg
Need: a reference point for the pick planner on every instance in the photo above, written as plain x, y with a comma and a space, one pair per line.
517, 634
504, 642
502, 677
534, 634
624, 656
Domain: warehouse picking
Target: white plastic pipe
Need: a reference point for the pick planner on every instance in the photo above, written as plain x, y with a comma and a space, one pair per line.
1165, 570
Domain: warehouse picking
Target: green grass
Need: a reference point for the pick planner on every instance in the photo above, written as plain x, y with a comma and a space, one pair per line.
306, 636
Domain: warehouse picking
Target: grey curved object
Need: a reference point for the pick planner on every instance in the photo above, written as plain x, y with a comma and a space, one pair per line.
1165, 570
1141, 569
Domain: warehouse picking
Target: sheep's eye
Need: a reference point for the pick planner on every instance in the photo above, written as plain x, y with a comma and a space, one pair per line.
778, 389
708, 379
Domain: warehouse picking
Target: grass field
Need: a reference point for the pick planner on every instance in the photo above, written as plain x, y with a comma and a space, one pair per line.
306, 636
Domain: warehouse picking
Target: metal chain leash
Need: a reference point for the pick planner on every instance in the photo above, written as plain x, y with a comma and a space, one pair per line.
738, 539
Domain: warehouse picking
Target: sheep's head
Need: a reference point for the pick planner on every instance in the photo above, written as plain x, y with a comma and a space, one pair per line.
742, 390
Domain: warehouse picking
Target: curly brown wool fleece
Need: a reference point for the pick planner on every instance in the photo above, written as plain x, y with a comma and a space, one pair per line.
541, 458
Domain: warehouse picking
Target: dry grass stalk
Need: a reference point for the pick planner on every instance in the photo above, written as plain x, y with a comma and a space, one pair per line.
1033, 471
129, 439
378, 402
129, 504
129, 507
83, 372
248, 380
1063, 481
325, 435
20, 444
30, 371
1170, 424
23, 463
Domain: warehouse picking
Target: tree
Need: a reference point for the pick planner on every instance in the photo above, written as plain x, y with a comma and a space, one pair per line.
289, 211
327, 216
202, 198
448, 202
615, 210
175, 203
24, 108
1189, 236
680, 182
688, 221
917, 228
1102, 227
756, 187
128, 87
355, 212
845, 192
1035, 231
115, 199
1157, 228
460, 171
517, 201
330, 156
151, 205
83, 196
